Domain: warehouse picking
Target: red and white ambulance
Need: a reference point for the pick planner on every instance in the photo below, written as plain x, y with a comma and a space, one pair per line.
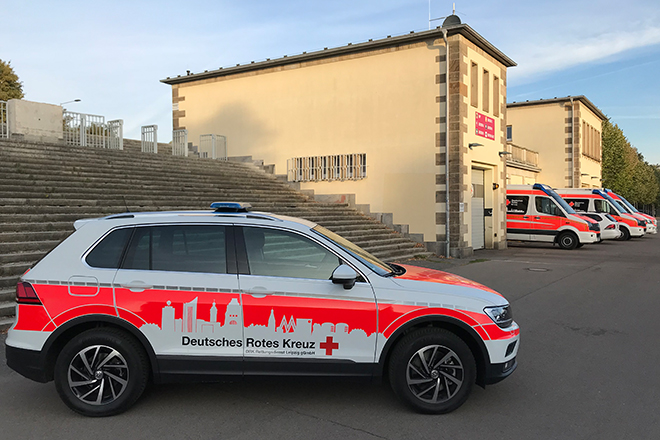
597, 200
651, 222
537, 213
208, 294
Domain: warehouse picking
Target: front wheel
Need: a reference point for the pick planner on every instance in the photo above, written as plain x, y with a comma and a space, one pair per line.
567, 240
101, 372
432, 370
625, 234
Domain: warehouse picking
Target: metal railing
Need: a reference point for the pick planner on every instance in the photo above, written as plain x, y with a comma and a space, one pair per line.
213, 146
115, 134
327, 168
149, 138
4, 120
522, 155
180, 142
83, 130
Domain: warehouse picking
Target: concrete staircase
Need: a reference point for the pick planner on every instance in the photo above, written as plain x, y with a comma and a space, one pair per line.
44, 188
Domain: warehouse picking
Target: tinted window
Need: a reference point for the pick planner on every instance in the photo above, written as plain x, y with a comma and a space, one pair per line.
546, 205
578, 204
517, 204
594, 216
284, 254
107, 254
179, 248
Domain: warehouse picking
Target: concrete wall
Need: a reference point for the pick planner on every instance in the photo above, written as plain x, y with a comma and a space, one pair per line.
34, 121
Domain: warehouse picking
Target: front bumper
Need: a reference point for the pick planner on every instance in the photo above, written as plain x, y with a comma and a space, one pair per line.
28, 363
498, 372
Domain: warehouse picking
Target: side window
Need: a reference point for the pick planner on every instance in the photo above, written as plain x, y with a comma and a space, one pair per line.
277, 253
578, 204
601, 205
517, 204
178, 248
546, 205
611, 209
107, 254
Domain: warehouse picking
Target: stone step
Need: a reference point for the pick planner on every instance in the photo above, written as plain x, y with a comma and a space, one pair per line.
36, 226
6, 322
8, 282
27, 246
8, 293
17, 257
7, 308
38, 236
15, 269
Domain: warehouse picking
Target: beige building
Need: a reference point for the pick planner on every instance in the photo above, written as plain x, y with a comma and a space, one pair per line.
556, 142
386, 120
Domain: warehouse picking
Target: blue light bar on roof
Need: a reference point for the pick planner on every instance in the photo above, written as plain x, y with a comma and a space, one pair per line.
231, 206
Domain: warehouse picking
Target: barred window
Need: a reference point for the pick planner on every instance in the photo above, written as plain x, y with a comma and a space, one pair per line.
327, 168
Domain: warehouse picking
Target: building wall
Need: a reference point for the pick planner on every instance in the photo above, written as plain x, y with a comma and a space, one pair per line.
382, 103
590, 140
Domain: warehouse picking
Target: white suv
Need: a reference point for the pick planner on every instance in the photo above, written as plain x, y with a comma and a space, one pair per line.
201, 295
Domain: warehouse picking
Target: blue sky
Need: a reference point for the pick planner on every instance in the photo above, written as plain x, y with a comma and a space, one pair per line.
113, 54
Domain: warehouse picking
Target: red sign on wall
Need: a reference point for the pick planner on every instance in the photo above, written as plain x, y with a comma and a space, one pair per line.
484, 126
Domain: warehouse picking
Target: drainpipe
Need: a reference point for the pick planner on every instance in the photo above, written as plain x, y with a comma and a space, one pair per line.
447, 242
572, 146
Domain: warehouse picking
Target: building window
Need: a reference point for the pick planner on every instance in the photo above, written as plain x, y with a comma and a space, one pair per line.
474, 85
486, 91
496, 96
327, 168
509, 133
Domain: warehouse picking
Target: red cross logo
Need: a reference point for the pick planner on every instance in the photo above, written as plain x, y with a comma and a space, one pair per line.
329, 345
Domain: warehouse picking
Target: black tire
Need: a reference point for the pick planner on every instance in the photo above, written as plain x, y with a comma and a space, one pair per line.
625, 234
567, 240
428, 388
101, 372
579, 245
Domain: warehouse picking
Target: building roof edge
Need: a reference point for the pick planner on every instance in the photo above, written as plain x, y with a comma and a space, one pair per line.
582, 98
462, 29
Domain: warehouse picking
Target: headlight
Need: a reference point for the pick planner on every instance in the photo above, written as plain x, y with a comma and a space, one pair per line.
641, 223
501, 315
594, 227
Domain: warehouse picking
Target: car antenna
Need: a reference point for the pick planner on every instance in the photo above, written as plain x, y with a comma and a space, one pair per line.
125, 204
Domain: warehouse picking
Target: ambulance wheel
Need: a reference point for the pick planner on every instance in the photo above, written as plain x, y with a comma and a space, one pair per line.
432, 370
625, 234
101, 372
567, 240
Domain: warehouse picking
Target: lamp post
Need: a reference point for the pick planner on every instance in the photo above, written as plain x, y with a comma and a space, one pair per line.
68, 102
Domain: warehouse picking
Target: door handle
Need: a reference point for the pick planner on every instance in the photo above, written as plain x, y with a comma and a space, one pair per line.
537, 218
137, 286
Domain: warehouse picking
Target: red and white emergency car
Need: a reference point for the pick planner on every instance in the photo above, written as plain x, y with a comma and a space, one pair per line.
597, 200
651, 222
537, 213
207, 294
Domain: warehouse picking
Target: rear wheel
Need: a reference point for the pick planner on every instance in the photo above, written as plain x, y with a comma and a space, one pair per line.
567, 240
432, 370
101, 372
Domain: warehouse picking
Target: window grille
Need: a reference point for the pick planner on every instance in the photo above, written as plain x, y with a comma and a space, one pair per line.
327, 168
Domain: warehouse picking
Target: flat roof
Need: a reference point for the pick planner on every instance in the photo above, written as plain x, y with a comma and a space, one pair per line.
581, 98
389, 41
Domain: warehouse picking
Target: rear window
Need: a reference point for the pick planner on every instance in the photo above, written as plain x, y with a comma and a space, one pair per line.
107, 253
578, 204
517, 204
178, 248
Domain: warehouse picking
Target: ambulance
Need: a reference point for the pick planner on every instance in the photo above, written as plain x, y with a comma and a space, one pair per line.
537, 213
651, 222
204, 295
597, 200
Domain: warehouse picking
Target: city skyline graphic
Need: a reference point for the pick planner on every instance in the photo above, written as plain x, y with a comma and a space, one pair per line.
280, 335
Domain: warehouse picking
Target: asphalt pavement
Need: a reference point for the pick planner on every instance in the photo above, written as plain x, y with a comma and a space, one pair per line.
588, 369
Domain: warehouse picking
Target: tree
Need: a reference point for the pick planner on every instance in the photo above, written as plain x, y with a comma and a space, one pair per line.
10, 86
624, 169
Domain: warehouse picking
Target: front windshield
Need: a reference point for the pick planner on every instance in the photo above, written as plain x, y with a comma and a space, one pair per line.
560, 201
614, 203
625, 202
365, 257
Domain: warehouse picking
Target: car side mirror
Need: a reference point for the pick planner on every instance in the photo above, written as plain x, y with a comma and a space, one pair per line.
345, 275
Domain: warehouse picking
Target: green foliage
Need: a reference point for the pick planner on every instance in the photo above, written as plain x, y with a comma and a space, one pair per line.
624, 169
10, 86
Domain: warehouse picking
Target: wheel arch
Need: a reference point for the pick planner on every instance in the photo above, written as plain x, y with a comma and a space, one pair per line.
67, 331
459, 328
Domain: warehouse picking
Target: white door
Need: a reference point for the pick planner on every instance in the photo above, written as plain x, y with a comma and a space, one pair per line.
477, 209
